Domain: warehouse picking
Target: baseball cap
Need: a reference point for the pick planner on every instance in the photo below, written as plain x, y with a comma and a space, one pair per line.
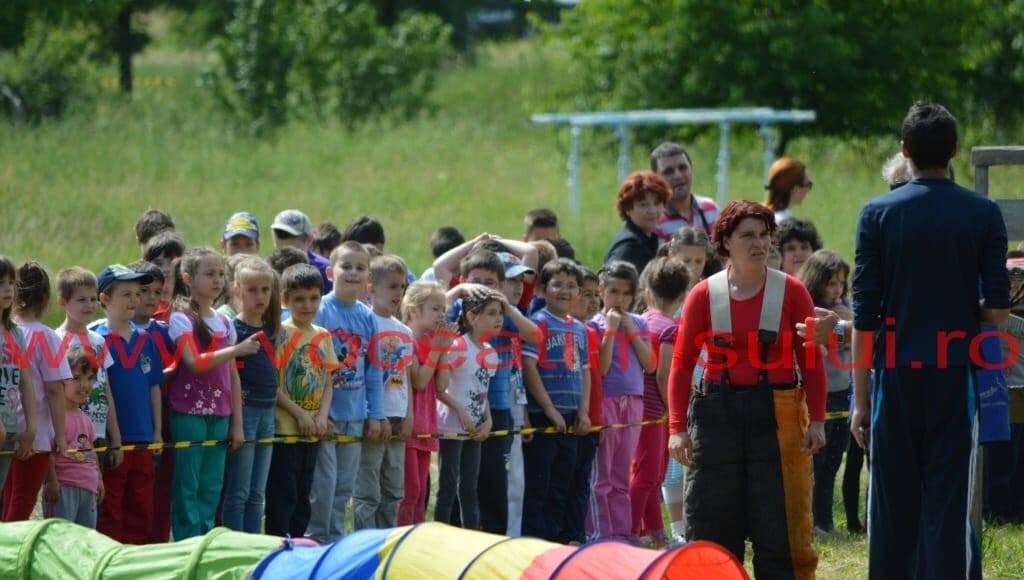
120, 273
513, 265
293, 222
242, 223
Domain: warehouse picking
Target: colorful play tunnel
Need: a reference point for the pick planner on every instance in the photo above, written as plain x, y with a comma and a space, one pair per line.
434, 550
60, 549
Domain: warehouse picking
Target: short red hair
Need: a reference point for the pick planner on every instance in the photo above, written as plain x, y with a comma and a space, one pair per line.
731, 216
639, 185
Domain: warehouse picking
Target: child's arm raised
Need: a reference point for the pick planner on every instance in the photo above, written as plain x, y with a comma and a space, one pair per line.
528, 331
446, 265
200, 362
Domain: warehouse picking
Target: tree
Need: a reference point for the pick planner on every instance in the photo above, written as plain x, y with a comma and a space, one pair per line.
857, 64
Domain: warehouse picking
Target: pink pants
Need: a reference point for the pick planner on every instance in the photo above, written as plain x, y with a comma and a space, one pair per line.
610, 514
413, 507
646, 473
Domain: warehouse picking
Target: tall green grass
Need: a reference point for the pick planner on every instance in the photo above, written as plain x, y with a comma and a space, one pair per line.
71, 190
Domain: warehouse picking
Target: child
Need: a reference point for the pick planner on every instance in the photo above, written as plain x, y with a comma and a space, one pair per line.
798, 239
162, 250
25, 478
463, 407
292, 228
625, 357
423, 311
584, 308
135, 378
150, 223
357, 405
381, 479
557, 376
326, 237
73, 482
241, 235
540, 224
159, 334
443, 239
305, 357
665, 282
17, 396
227, 303
693, 247
826, 276
256, 291
204, 394
77, 294
506, 393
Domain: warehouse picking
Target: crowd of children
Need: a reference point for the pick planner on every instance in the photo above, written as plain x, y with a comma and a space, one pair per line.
330, 338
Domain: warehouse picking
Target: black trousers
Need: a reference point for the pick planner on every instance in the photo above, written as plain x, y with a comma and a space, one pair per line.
923, 441
750, 479
549, 462
288, 486
492, 484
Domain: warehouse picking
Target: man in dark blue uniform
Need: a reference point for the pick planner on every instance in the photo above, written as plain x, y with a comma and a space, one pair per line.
921, 251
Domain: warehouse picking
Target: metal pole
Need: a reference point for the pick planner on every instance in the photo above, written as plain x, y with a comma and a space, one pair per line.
723, 163
623, 134
574, 171
768, 132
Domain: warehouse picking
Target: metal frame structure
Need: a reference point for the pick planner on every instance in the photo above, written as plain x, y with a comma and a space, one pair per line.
765, 117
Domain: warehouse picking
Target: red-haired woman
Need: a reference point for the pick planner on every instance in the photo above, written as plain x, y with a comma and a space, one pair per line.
788, 185
747, 440
640, 203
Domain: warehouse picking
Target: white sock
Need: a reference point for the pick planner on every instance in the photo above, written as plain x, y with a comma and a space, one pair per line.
678, 529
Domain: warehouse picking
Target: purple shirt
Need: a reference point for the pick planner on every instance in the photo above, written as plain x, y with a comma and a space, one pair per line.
625, 376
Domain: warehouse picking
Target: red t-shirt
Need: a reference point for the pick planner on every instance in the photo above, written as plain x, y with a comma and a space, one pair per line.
745, 353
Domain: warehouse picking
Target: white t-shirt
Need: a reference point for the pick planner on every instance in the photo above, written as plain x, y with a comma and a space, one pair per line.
42, 346
98, 406
472, 369
394, 343
10, 379
180, 323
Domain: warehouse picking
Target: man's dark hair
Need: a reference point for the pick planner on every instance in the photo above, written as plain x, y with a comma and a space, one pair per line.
540, 217
445, 238
365, 230
800, 230
667, 149
929, 132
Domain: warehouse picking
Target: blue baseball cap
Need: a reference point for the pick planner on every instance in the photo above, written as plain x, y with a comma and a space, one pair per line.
120, 273
242, 223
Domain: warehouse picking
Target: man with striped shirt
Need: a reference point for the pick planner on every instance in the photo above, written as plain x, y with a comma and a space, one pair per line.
685, 208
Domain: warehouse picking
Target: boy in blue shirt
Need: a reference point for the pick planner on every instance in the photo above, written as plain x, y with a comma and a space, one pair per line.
126, 512
357, 407
557, 376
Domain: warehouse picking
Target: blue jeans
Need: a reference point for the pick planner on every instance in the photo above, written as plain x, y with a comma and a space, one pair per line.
248, 466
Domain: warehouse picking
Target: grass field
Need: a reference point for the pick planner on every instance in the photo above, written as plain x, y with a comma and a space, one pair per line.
72, 190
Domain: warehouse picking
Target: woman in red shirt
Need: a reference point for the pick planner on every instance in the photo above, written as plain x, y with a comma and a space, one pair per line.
744, 432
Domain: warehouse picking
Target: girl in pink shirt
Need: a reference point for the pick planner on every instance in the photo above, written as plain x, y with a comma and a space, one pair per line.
423, 310
73, 482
